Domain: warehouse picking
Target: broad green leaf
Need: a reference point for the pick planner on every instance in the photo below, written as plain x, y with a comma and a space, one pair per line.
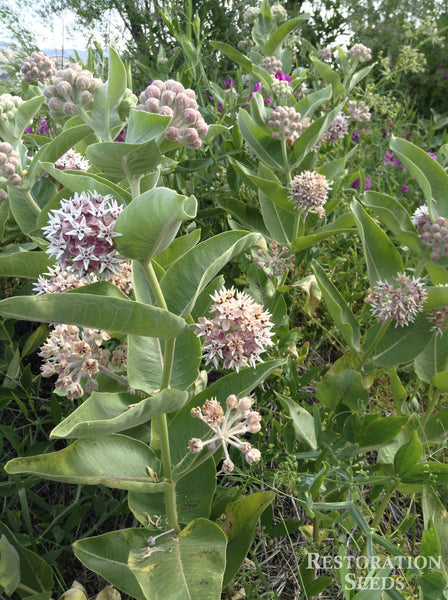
437, 297
183, 426
108, 554
340, 311
328, 75
380, 430
4, 214
178, 248
144, 126
23, 214
149, 224
187, 277
342, 224
282, 32
194, 495
400, 345
98, 312
242, 61
146, 357
239, 524
279, 222
105, 413
116, 461
408, 456
382, 258
265, 147
245, 215
440, 381
190, 565
433, 359
436, 428
396, 217
302, 421
119, 159
311, 102
9, 566
83, 182
343, 388
359, 76
35, 572
430, 176
437, 273
24, 264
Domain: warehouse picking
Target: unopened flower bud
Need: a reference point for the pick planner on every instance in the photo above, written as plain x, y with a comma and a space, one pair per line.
15, 179
82, 83
63, 88
172, 133
195, 445
227, 466
232, 401
3, 195
253, 456
85, 98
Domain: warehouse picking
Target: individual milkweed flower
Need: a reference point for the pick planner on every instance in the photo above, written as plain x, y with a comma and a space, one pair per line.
358, 111
238, 420
57, 279
279, 13
38, 67
81, 234
309, 191
250, 15
238, 333
72, 161
400, 302
170, 98
438, 318
360, 52
75, 355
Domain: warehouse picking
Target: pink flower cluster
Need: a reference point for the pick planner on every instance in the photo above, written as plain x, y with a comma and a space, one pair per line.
400, 302
309, 191
9, 161
75, 356
170, 98
38, 67
81, 234
238, 334
275, 261
227, 427
286, 123
433, 235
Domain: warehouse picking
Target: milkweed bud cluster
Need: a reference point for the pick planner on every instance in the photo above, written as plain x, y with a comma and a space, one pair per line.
279, 13
8, 107
72, 88
9, 161
250, 15
271, 64
360, 52
170, 98
38, 67
285, 122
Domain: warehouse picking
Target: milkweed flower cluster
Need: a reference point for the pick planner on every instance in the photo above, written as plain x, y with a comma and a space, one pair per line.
238, 334
72, 161
238, 420
271, 64
170, 98
279, 13
358, 111
38, 67
326, 54
9, 161
400, 302
81, 234
309, 191
72, 88
438, 317
433, 235
275, 261
280, 90
335, 132
75, 355
250, 15
286, 123
8, 107
360, 52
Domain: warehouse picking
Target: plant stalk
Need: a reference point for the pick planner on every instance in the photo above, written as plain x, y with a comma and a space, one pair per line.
31, 202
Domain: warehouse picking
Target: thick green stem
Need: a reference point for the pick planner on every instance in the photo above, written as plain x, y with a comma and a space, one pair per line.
31, 202
159, 426
91, 123
286, 162
434, 398
134, 181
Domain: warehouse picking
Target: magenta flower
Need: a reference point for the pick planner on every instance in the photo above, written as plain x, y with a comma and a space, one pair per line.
404, 189
283, 77
431, 154
357, 184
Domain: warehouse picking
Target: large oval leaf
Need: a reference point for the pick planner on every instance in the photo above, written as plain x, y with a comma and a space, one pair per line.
188, 276
185, 567
149, 224
108, 554
116, 461
98, 312
105, 413
24, 264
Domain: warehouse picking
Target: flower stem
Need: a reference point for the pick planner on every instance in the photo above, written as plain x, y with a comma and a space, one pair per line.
382, 507
286, 161
134, 182
31, 202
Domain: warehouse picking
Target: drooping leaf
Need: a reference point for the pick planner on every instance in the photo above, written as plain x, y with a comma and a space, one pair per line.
302, 421
118, 159
24, 264
97, 312
116, 461
105, 413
